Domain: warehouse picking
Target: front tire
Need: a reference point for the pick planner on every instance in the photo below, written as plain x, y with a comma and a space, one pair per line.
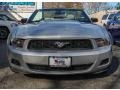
4, 32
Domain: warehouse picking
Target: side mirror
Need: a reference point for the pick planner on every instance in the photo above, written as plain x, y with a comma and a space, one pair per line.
115, 18
24, 20
94, 19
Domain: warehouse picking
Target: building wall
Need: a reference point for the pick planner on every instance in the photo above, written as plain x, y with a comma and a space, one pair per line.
62, 5
28, 14
20, 9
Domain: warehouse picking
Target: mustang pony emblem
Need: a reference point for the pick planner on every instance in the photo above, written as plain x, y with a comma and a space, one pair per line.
61, 44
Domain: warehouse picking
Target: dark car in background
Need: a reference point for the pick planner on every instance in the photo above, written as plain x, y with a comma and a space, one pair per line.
106, 18
114, 27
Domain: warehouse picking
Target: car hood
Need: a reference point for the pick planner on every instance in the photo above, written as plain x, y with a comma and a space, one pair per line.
60, 29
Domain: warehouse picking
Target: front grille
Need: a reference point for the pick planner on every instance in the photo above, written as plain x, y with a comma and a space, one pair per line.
60, 44
48, 68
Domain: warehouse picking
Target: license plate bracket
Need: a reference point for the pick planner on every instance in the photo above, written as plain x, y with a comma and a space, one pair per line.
60, 61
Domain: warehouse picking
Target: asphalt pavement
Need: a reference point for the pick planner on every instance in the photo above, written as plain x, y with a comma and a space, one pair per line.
8, 79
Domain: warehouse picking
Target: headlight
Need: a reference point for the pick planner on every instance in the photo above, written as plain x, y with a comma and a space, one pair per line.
102, 42
17, 42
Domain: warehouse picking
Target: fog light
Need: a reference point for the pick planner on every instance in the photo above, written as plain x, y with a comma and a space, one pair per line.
15, 62
105, 61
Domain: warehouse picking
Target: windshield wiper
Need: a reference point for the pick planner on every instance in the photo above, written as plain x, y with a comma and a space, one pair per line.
85, 21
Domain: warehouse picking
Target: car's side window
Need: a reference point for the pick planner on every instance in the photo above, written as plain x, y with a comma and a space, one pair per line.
1, 19
110, 16
105, 17
117, 17
4, 17
38, 16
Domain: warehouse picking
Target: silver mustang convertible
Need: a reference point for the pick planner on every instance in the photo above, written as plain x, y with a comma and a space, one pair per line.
59, 41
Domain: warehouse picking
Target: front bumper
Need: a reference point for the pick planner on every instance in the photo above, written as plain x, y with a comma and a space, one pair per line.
93, 59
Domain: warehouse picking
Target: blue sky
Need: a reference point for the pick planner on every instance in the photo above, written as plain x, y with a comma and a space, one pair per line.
112, 3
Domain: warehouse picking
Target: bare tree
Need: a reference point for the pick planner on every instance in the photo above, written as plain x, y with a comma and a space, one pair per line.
93, 7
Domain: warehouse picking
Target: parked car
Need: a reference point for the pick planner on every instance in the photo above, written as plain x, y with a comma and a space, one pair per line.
106, 18
6, 25
59, 41
114, 27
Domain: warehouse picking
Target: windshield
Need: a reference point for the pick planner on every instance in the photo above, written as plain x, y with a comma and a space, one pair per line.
59, 14
105, 17
111, 16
